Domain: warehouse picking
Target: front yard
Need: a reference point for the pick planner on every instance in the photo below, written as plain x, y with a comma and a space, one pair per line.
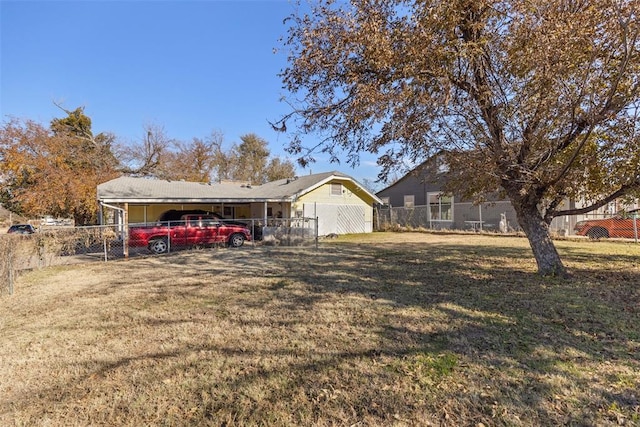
379, 329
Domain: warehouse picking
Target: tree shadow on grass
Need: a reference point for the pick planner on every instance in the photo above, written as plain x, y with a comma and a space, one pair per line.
507, 318
502, 316
410, 334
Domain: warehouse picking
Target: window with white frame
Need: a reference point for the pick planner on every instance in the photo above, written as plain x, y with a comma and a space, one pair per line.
440, 207
336, 189
409, 201
385, 200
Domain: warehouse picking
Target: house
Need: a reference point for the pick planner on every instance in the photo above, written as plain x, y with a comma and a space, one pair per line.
418, 199
338, 201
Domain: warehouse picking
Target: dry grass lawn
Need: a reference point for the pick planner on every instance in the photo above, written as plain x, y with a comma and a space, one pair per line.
384, 329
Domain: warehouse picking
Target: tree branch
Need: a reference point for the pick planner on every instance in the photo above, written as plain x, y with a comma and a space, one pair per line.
622, 191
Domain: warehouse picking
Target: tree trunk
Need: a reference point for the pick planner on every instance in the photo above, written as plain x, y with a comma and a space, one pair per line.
537, 231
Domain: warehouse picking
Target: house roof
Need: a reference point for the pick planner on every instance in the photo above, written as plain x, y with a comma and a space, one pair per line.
146, 190
425, 171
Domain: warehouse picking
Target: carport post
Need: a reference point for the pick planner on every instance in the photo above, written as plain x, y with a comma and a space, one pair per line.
264, 214
125, 247
124, 225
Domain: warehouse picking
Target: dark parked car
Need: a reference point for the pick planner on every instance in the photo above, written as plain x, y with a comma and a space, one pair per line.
21, 229
176, 215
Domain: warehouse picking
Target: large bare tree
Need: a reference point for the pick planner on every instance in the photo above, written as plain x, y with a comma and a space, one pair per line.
147, 156
200, 160
538, 99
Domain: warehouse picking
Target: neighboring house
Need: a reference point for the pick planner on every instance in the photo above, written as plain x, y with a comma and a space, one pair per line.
340, 203
417, 199
420, 198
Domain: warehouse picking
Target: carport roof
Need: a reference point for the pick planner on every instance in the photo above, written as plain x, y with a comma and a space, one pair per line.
146, 190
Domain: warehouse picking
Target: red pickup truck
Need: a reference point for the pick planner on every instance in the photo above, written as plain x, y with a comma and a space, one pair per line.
620, 225
191, 230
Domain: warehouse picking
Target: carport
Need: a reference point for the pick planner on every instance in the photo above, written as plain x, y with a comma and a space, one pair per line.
336, 202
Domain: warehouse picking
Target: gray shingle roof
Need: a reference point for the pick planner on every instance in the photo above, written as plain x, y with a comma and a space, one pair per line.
129, 189
294, 187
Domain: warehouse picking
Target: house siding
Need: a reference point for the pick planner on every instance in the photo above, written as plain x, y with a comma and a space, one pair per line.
409, 186
466, 214
334, 212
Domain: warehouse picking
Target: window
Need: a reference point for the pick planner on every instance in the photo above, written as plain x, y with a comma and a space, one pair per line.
210, 222
336, 189
440, 207
409, 201
385, 200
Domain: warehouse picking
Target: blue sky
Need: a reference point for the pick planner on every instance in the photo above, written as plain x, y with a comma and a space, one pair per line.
192, 67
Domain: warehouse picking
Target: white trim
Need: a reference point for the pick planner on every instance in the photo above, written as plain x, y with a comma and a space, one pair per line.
440, 194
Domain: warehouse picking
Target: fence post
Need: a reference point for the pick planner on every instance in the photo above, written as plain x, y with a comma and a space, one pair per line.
125, 240
10, 267
253, 233
169, 237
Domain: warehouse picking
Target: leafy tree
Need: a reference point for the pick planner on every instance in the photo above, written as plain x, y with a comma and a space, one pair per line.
54, 171
251, 159
279, 169
538, 99
251, 162
91, 151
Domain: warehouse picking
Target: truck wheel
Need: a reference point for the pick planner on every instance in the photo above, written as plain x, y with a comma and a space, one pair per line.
236, 240
158, 246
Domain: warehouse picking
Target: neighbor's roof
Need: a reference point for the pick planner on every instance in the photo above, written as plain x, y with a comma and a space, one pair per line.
146, 190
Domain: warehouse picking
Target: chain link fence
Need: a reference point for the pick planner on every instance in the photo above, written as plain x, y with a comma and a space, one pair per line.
289, 232
624, 225
67, 245
70, 245
461, 217
499, 218
8, 254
